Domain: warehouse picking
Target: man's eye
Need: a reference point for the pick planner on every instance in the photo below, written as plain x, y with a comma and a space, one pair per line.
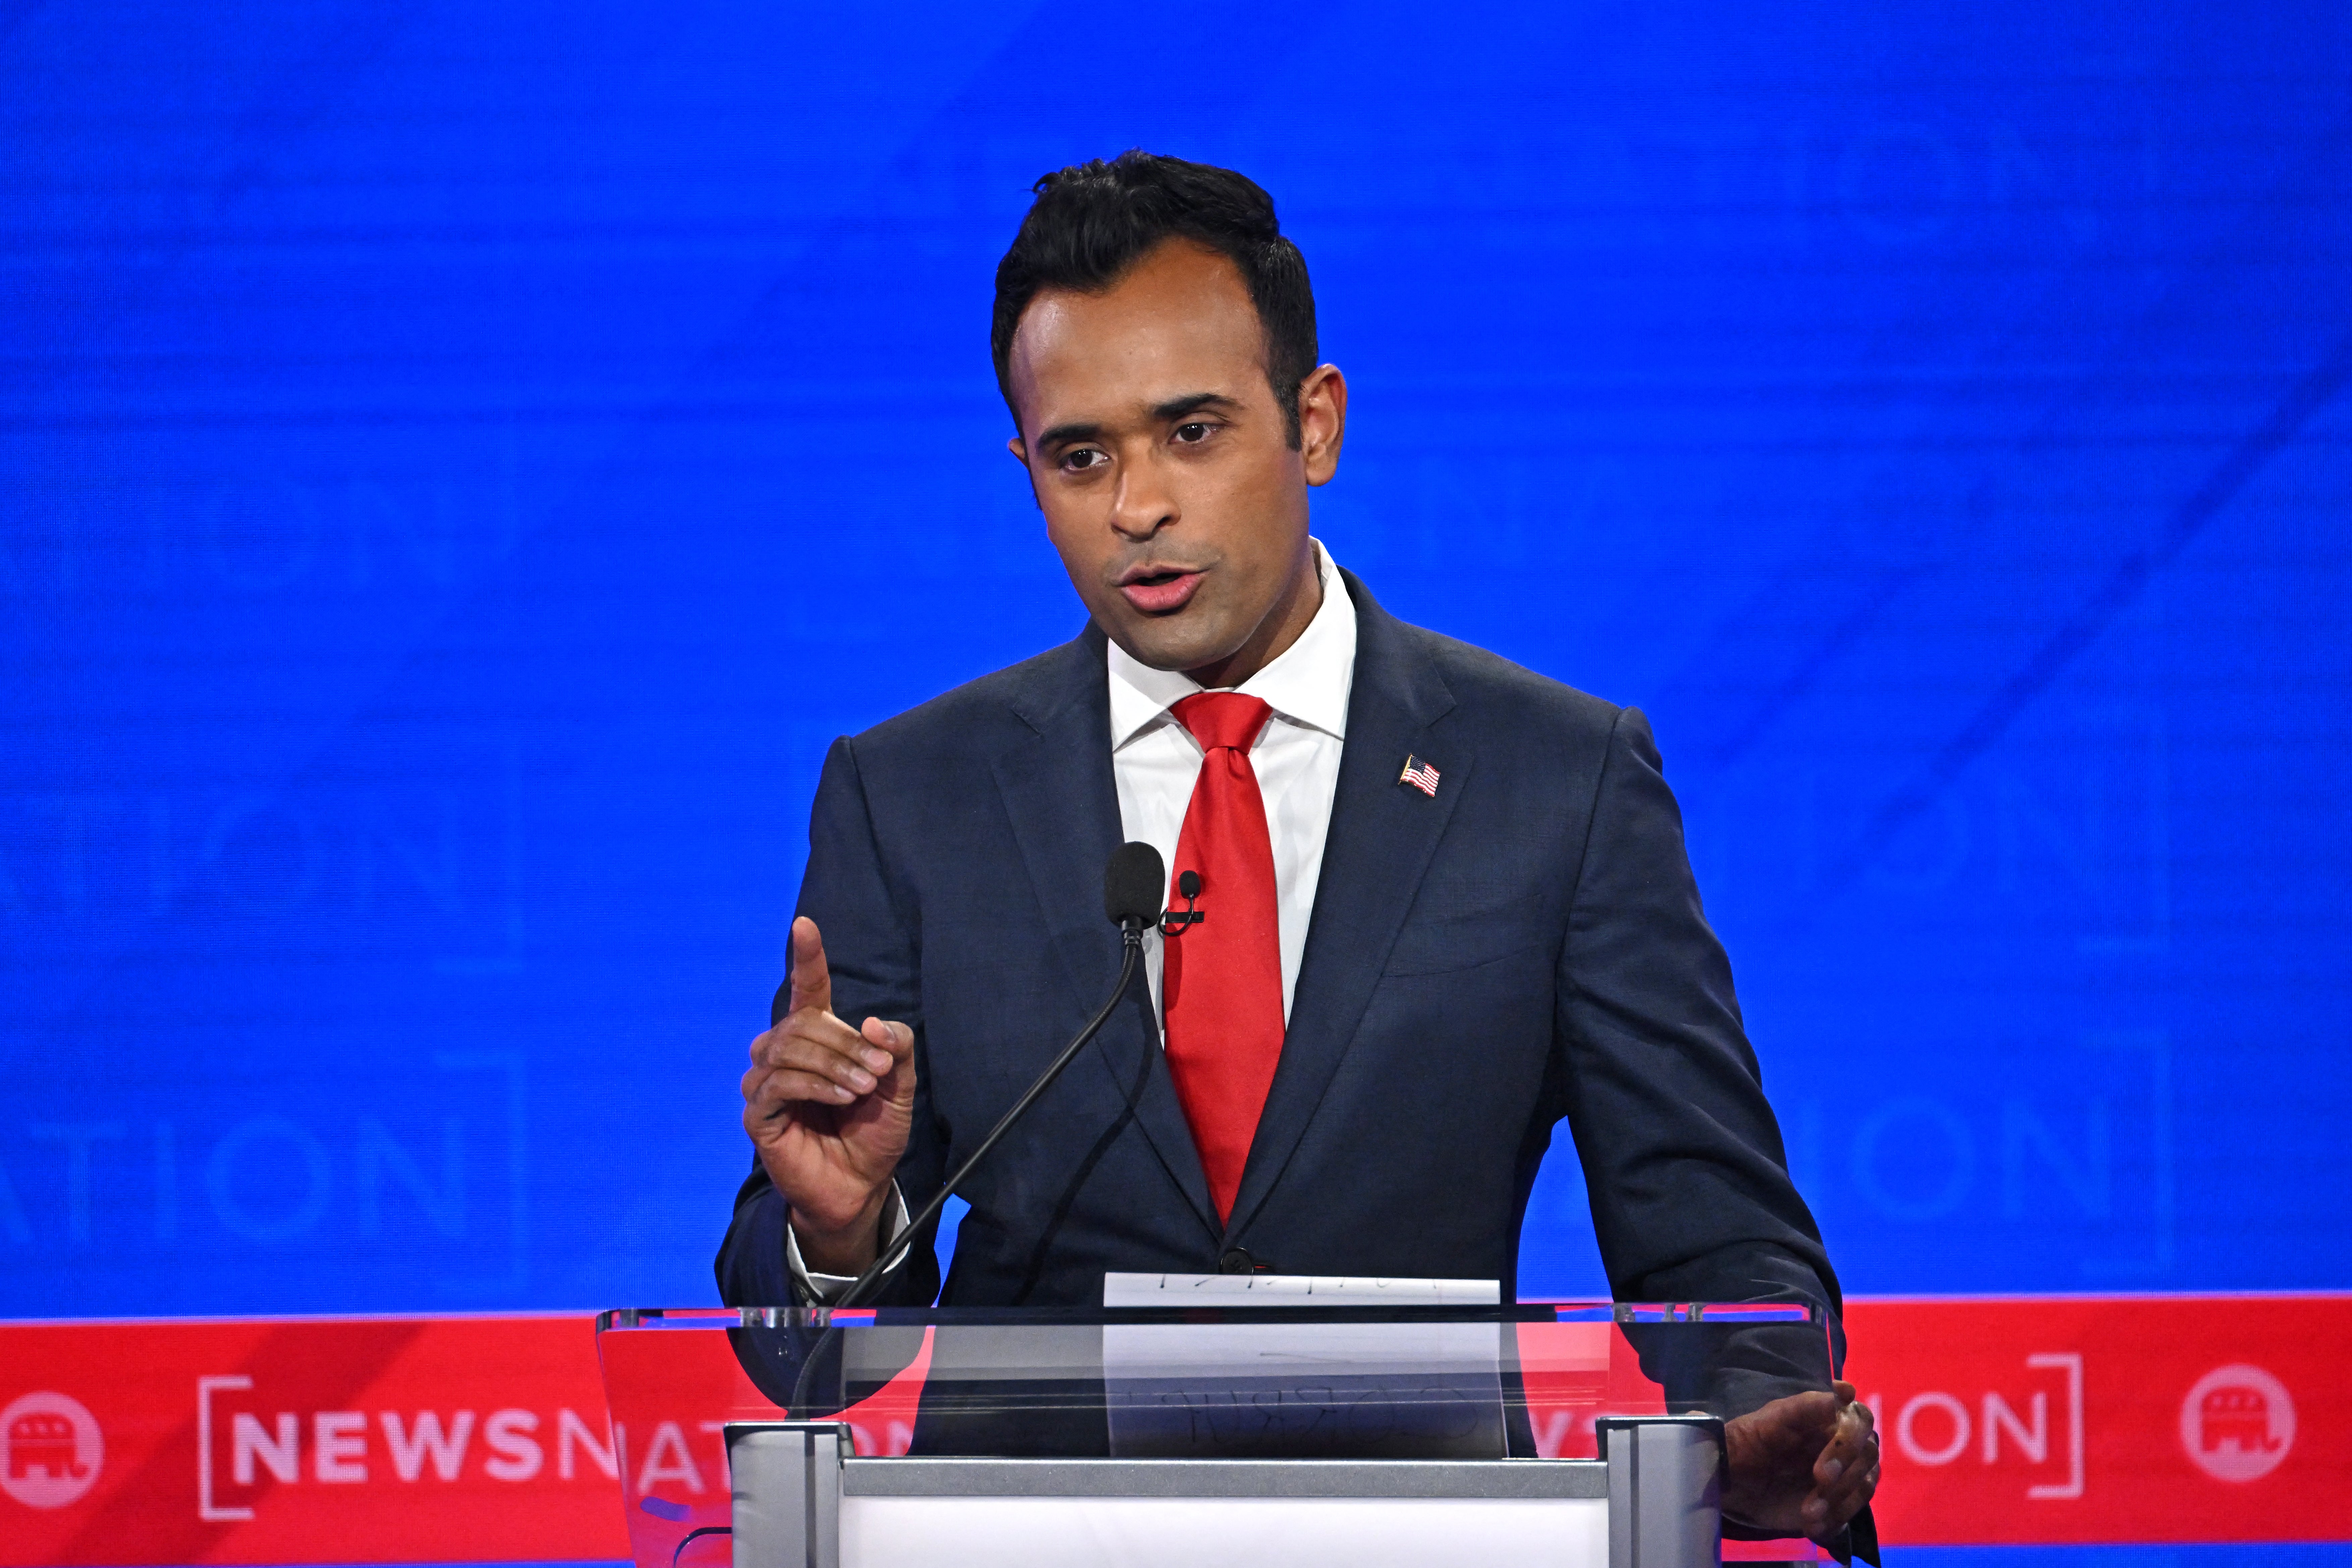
1193, 433
1083, 458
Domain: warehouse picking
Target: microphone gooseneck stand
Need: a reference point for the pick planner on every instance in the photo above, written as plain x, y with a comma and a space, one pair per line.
1126, 880
890, 1258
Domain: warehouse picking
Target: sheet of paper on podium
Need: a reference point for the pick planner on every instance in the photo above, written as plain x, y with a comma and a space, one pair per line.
1301, 1290
1375, 1389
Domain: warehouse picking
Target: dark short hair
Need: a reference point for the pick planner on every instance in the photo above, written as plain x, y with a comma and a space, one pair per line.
1092, 222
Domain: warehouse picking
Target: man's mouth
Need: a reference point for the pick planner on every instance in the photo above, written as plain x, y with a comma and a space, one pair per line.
1160, 592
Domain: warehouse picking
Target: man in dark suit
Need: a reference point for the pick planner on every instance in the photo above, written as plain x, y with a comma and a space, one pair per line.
1446, 900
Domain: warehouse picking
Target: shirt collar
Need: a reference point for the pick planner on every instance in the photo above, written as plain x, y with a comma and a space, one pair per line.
1308, 684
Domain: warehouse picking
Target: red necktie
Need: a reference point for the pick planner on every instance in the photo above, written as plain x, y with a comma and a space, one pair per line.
1221, 985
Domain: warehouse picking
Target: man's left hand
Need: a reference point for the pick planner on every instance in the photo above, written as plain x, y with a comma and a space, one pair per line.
1801, 1466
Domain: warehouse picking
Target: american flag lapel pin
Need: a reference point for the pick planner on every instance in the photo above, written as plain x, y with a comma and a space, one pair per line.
1420, 774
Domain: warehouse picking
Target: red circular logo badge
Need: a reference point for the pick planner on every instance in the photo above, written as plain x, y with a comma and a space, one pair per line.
50, 1450
2238, 1423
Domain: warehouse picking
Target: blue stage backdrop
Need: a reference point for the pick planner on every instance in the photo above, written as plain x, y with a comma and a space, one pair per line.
461, 464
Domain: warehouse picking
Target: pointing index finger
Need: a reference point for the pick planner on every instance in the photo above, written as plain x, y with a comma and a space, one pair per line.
812, 981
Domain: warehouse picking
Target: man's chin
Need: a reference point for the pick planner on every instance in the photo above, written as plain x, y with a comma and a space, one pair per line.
1163, 644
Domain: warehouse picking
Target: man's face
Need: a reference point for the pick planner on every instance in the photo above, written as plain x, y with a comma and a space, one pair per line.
1160, 458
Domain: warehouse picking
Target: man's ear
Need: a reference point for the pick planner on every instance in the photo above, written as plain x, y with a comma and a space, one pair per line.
1322, 422
1020, 451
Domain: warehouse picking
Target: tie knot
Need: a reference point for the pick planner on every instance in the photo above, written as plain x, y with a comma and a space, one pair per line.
1225, 719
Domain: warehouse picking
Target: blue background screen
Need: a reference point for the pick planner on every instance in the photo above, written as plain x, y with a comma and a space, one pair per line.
460, 464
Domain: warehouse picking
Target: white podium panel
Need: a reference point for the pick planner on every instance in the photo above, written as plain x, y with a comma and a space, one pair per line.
802, 1501
1228, 1532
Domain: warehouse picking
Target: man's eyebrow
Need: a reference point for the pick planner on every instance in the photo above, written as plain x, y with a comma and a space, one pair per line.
1061, 435
1194, 403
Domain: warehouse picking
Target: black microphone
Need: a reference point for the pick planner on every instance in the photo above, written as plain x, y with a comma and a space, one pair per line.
1188, 888
1131, 897
1132, 884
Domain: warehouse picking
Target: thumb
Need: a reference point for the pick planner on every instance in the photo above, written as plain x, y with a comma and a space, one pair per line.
811, 982
899, 1041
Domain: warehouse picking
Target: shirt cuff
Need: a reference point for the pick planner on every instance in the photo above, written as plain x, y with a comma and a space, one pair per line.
824, 1290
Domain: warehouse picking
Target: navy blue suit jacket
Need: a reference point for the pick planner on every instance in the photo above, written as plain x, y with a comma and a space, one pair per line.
1526, 946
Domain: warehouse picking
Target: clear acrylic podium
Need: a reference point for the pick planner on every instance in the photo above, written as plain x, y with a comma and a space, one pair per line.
1581, 1435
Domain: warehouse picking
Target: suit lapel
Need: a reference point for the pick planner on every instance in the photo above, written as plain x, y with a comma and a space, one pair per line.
1062, 802
1382, 836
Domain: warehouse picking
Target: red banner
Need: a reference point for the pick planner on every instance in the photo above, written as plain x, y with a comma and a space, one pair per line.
474, 1439
2044, 1420
371, 1440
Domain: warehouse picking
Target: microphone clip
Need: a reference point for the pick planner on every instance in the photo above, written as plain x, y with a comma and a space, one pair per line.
1188, 887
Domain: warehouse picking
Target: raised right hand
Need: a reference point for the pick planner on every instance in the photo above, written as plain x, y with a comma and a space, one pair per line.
828, 1108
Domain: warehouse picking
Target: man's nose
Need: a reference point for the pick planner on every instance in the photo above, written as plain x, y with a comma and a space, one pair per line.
1141, 504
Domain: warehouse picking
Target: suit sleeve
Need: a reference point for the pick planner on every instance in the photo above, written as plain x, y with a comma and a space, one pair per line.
873, 945
1682, 1157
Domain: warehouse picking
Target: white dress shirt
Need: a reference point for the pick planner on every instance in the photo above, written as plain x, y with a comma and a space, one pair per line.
1155, 761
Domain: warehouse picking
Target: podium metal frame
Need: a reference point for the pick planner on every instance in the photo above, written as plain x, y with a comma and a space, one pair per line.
1661, 1476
